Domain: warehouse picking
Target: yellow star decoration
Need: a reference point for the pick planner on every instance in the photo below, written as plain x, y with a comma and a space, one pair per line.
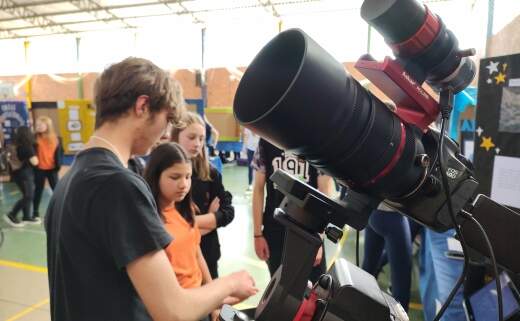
487, 143
500, 78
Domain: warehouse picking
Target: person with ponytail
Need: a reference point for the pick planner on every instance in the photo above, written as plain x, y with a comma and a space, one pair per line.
50, 154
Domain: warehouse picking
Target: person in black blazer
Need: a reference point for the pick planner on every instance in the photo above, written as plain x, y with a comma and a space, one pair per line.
209, 194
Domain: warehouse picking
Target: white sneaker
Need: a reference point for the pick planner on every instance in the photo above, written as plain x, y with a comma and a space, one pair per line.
33, 220
13, 221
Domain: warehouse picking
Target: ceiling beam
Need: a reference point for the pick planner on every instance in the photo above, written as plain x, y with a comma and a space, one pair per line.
100, 8
30, 16
269, 7
76, 22
145, 4
60, 28
5, 5
61, 33
94, 8
196, 19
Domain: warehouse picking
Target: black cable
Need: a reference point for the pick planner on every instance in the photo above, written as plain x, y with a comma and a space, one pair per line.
435, 159
446, 188
357, 248
493, 262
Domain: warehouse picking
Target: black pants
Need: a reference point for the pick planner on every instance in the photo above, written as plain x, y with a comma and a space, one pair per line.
39, 181
275, 240
390, 231
24, 179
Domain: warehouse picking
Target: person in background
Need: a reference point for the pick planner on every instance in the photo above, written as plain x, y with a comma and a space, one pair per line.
105, 238
137, 164
250, 143
209, 194
389, 231
23, 175
50, 155
2, 137
212, 136
4, 159
269, 235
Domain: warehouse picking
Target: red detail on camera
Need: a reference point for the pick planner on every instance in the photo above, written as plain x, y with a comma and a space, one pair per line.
394, 159
307, 308
413, 104
421, 39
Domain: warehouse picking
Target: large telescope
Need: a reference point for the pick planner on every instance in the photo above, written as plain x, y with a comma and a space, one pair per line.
298, 97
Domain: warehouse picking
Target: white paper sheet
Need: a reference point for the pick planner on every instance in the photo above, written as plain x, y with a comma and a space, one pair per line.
505, 185
75, 137
75, 147
454, 244
73, 113
515, 82
469, 145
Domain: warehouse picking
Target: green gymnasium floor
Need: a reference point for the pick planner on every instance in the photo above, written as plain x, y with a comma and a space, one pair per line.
24, 288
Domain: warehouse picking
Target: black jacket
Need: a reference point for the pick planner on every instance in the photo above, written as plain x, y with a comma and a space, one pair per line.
203, 193
58, 155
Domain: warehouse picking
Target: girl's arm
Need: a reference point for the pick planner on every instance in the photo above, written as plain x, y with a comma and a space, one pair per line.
206, 276
221, 211
226, 212
204, 231
208, 221
155, 282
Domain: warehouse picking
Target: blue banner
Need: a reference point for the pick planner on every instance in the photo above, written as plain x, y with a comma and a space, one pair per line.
15, 114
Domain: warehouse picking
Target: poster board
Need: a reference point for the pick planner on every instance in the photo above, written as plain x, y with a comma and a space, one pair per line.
15, 114
497, 133
224, 121
46, 108
76, 123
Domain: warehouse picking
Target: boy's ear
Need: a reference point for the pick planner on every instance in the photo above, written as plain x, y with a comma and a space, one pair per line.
142, 105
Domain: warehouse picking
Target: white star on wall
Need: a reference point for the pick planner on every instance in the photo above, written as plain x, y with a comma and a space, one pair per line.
492, 67
479, 131
489, 81
497, 150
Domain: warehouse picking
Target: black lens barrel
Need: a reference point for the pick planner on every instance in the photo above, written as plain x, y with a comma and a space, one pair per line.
396, 20
298, 97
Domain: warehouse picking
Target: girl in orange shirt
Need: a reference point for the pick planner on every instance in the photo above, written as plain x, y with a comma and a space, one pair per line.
49, 155
168, 173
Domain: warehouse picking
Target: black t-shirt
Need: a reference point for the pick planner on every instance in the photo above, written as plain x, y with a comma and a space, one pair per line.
25, 153
101, 217
203, 193
269, 158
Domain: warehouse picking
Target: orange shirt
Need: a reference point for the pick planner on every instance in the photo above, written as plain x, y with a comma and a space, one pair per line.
46, 150
182, 251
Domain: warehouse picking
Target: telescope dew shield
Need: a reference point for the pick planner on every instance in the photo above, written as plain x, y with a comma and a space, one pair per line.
298, 97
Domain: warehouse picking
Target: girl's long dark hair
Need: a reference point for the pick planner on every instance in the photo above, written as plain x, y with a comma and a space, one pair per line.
23, 137
163, 157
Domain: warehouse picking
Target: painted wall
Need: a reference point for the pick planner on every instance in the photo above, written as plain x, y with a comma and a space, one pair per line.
222, 85
506, 41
